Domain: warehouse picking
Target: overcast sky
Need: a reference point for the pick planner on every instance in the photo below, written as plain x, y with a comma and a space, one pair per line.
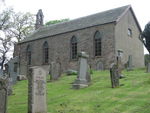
60, 9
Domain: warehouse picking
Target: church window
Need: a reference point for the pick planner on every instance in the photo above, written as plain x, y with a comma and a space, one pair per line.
28, 53
129, 32
97, 43
45, 53
73, 47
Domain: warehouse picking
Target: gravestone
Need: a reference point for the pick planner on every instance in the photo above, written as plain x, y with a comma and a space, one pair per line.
83, 78
148, 67
3, 95
99, 66
55, 70
12, 69
119, 67
129, 64
1, 73
9, 87
114, 75
37, 90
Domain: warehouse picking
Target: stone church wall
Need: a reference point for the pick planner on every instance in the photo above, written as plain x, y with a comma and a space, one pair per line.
131, 45
59, 48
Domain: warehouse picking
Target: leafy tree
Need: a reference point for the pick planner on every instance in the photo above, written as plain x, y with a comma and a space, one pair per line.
14, 27
56, 21
145, 36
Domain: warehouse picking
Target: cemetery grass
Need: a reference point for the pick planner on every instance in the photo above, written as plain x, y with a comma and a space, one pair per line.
133, 95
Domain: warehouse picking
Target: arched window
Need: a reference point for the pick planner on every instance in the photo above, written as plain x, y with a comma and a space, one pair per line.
73, 47
45, 53
28, 53
98, 43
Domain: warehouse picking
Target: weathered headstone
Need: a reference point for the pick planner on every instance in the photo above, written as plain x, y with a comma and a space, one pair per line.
37, 90
119, 67
129, 63
83, 78
114, 75
99, 66
9, 87
1, 73
12, 69
55, 70
148, 67
3, 95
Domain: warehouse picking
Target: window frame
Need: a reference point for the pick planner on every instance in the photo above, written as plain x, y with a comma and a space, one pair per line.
74, 48
28, 55
97, 44
129, 32
45, 49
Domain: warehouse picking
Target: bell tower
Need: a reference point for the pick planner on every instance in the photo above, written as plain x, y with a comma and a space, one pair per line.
39, 19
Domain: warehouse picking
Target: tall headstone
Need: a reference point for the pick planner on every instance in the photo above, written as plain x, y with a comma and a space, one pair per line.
99, 66
55, 70
3, 95
129, 64
1, 73
9, 87
148, 67
119, 67
114, 75
83, 78
37, 90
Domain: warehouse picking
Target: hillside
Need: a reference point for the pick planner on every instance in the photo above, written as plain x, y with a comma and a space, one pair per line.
133, 96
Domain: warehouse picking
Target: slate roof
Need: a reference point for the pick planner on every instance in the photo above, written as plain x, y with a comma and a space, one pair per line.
88, 21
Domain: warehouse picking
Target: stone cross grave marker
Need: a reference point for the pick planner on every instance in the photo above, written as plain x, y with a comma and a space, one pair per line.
83, 78
37, 90
3, 95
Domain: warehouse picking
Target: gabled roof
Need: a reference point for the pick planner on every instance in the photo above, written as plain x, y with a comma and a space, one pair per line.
105, 17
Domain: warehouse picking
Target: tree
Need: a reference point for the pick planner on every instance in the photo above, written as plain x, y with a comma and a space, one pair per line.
56, 21
6, 44
14, 27
145, 36
22, 25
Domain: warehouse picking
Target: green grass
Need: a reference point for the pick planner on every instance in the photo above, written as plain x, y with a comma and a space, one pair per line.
133, 96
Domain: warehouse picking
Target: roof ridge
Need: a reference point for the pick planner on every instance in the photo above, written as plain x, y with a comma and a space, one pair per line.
87, 16
100, 18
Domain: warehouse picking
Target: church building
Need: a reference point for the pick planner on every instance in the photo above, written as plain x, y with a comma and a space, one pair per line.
100, 35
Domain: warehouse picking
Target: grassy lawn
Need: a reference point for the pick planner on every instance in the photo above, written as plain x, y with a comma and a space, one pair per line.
133, 96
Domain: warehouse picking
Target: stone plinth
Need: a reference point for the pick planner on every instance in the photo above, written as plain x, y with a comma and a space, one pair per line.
83, 78
37, 90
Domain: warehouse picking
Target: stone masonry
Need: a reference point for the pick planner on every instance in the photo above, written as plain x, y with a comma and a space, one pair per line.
113, 26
